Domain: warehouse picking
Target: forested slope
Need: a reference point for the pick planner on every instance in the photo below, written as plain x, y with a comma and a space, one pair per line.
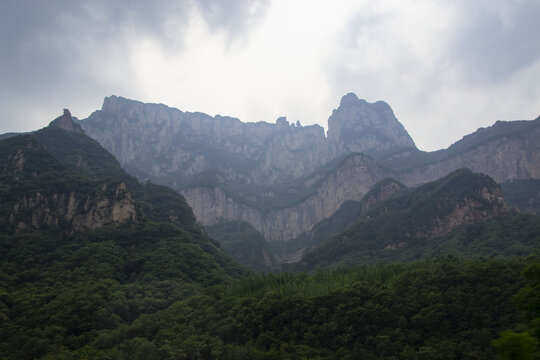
86, 247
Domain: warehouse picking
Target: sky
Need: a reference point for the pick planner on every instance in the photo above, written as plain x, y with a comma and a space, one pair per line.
445, 67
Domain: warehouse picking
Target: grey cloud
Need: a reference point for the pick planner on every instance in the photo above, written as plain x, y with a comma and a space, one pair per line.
52, 49
36, 36
492, 45
233, 16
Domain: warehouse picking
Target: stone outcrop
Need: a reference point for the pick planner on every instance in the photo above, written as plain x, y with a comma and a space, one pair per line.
472, 210
165, 143
66, 122
359, 126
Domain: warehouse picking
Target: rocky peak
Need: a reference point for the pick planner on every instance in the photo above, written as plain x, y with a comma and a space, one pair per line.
349, 99
360, 126
282, 123
116, 104
66, 122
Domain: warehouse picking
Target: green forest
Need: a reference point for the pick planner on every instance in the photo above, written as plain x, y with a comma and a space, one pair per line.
95, 300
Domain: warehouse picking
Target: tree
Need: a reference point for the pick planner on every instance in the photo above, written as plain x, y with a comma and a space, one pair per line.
515, 346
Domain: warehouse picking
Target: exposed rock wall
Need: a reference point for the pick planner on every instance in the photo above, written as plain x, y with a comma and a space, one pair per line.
469, 212
350, 181
164, 142
359, 126
106, 205
184, 150
503, 159
383, 192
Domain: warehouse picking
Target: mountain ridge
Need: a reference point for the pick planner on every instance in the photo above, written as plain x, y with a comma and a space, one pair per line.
410, 217
260, 166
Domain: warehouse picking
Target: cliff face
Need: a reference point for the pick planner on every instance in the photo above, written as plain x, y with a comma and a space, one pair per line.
486, 205
263, 173
66, 122
349, 181
358, 126
411, 220
174, 147
504, 158
165, 143
107, 205
382, 191
201, 156
37, 190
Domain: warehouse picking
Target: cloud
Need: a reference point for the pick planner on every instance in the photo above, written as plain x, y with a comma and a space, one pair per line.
72, 54
443, 66
446, 68
495, 39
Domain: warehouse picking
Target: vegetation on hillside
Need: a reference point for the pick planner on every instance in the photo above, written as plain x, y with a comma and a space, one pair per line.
244, 244
59, 291
523, 195
400, 228
160, 288
441, 308
58, 287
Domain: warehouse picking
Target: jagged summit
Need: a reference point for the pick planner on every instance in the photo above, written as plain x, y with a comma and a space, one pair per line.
361, 126
348, 100
66, 122
246, 170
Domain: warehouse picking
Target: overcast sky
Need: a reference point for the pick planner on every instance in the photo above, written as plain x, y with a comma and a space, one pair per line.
445, 67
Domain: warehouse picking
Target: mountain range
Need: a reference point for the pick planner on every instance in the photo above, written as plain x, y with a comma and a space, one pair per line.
97, 263
284, 178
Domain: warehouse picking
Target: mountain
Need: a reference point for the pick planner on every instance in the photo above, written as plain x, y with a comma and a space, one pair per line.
290, 210
462, 214
79, 282
168, 145
86, 247
284, 178
359, 126
348, 213
506, 151
412, 221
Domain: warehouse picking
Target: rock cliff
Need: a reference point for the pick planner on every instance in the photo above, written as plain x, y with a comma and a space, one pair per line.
486, 204
349, 181
410, 221
507, 151
174, 147
358, 126
107, 205
263, 173
66, 122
